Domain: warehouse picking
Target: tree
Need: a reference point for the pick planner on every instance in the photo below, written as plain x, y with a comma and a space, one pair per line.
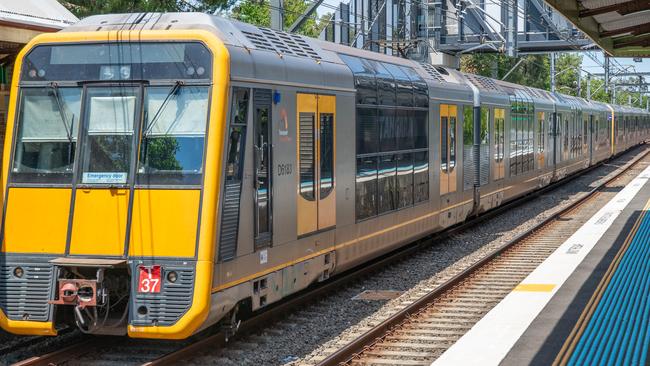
567, 69
533, 71
258, 12
83, 8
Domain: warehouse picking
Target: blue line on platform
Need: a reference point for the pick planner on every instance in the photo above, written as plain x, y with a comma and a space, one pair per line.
618, 333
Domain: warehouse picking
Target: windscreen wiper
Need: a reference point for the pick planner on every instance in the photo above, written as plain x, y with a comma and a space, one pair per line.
172, 94
64, 117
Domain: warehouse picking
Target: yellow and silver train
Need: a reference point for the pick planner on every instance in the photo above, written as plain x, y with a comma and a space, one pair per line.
166, 172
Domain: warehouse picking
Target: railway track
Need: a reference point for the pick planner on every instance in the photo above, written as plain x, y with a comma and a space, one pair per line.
112, 350
420, 332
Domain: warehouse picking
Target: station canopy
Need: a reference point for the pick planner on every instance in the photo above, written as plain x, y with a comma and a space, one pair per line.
22, 20
620, 27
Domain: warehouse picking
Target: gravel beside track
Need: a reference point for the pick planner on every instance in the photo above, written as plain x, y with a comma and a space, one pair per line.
307, 336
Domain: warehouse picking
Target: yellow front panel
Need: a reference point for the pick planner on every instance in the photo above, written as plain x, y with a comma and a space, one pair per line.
37, 220
164, 223
99, 222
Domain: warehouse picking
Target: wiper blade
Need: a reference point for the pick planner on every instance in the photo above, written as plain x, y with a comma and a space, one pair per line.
64, 117
172, 93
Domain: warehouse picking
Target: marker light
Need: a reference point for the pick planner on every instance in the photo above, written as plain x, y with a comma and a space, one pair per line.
172, 276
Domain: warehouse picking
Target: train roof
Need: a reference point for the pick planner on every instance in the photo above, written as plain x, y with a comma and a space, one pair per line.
266, 55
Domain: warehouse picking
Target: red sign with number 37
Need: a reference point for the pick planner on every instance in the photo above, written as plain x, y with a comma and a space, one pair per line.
149, 279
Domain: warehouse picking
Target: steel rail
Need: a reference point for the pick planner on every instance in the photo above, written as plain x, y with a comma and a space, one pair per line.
352, 350
62, 355
309, 295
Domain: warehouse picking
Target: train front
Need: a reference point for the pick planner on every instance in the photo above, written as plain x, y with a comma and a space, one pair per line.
110, 181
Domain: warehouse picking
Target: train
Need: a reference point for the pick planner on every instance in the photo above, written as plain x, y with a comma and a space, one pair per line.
168, 172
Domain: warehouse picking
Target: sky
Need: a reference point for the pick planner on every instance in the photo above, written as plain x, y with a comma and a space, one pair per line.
591, 66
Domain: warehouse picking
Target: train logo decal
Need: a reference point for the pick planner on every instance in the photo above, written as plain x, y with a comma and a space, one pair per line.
283, 130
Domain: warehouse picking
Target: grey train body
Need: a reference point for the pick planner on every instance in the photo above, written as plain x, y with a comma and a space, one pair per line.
486, 142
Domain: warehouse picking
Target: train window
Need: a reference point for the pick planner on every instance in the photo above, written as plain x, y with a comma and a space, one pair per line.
366, 187
444, 141
552, 136
522, 128
404, 180
237, 135
387, 194
404, 128
566, 135
307, 155
448, 118
326, 154
385, 83
499, 142
388, 129
585, 130
110, 121
420, 131
234, 173
118, 61
541, 136
485, 145
173, 135
403, 84
367, 130
420, 88
514, 138
47, 135
452, 140
420, 176
364, 79
468, 156
596, 131
530, 151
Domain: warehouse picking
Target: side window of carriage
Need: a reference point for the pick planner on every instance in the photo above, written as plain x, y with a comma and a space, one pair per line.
392, 160
234, 169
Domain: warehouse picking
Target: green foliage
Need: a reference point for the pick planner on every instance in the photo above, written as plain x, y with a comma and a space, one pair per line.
567, 69
468, 125
258, 12
535, 71
83, 8
161, 153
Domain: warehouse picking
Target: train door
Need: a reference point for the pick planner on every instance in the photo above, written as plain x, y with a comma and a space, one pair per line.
262, 163
498, 172
316, 155
591, 141
551, 132
101, 193
448, 122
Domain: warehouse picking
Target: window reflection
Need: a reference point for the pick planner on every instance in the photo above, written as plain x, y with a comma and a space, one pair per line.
173, 135
47, 135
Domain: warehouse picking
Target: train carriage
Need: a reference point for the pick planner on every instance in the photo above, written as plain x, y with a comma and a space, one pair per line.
166, 172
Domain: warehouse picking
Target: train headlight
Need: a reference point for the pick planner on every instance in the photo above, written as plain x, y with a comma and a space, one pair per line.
172, 276
18, 272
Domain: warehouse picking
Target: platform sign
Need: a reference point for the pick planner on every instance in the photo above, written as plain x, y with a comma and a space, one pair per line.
149, 279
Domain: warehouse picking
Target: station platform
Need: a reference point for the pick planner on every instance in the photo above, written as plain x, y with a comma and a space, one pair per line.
588, 303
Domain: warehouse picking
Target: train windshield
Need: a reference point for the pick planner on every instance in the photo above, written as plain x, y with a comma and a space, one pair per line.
135, 113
